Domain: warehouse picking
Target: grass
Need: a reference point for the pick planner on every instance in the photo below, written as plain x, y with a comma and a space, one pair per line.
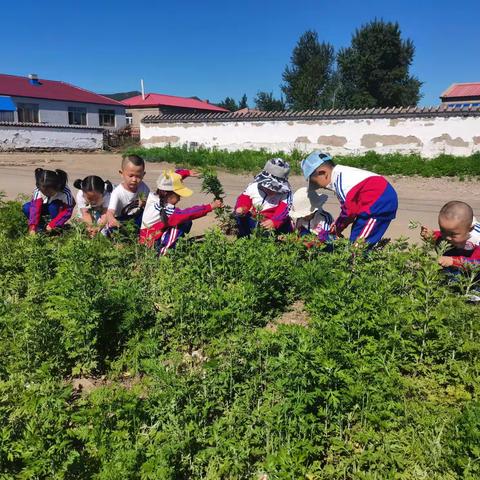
253, 161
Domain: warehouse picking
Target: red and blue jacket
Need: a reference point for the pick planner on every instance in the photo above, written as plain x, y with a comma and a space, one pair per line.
274, 206
362, 193
153, 227
67, 203
461, 259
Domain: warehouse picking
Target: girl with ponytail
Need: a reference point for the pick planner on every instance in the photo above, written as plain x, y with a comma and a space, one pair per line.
93, 197
52, 202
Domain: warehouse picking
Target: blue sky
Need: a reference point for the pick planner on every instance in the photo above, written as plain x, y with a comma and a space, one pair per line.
214, 48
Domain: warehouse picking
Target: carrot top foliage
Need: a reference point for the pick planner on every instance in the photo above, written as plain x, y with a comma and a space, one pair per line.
382, 383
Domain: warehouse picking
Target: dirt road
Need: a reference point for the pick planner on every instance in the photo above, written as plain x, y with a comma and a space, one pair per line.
420, 198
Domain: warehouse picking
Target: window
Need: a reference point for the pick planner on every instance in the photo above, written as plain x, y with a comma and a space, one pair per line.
128, 118
27, 112
77, 116
107, 118
6, 116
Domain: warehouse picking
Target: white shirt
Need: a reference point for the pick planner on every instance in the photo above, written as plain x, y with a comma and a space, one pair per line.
65, 196
345, 178
82, 203
475, 233
121, 197
151, 214
261, 201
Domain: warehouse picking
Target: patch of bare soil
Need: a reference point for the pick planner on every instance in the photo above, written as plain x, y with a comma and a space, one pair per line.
86, 385
295, 315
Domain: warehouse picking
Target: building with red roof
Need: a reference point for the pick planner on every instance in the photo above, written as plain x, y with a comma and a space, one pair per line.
462, 95
158, 104
51, 102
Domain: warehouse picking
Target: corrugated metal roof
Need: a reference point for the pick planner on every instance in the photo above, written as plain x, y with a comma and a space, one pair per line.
50, 89
158, 100
458, 90
393, 112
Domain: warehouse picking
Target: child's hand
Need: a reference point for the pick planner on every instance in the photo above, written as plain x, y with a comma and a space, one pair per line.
32, 232
92, 231
268, 224
445, 261
114, 223
335, 231
217, 204
194, 173
102, 220
426, 233
241, 211
49, 229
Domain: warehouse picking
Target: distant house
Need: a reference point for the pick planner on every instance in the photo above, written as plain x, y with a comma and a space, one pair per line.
462, 95
157, 104
50, 102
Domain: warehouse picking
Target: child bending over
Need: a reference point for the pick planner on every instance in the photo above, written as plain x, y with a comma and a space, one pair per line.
269, 196
367, 200
162, 222
52, 202
308, 215
93, 198
127, 200
458, 228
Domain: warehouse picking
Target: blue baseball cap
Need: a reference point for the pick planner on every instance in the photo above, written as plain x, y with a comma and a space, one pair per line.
313, 161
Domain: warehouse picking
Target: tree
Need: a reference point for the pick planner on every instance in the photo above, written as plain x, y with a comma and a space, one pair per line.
229, 103
374, 70
243, 103
308, 80
265, 101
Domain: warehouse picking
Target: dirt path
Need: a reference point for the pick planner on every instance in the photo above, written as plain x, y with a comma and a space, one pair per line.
420, 198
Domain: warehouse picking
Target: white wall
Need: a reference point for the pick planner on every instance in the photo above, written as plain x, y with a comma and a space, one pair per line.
428, 136
55, 112
21, 137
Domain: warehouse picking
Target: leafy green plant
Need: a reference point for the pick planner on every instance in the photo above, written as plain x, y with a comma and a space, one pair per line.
184, 380
253, 161
224, 216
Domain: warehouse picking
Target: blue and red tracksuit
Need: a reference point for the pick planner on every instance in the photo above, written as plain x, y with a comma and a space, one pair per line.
58, 209
366, 199
164, 235
273, 206
155, 232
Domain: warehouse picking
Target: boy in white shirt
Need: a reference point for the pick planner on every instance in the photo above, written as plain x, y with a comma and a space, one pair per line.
127, 201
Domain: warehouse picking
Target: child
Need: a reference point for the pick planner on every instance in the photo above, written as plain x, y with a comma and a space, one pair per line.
367, 200
51, 200
268, 196
93, 198
162, 223
127, 200
457, 227
308, 215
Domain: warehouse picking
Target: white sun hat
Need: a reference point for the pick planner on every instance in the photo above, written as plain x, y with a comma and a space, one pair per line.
306, 202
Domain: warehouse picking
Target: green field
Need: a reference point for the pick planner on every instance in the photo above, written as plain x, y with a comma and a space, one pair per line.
188, 383
253, 161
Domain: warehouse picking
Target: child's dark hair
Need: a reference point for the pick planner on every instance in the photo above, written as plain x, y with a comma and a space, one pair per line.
329, 163
163, 195
133, 159
457, 210
56, 179
93, 183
